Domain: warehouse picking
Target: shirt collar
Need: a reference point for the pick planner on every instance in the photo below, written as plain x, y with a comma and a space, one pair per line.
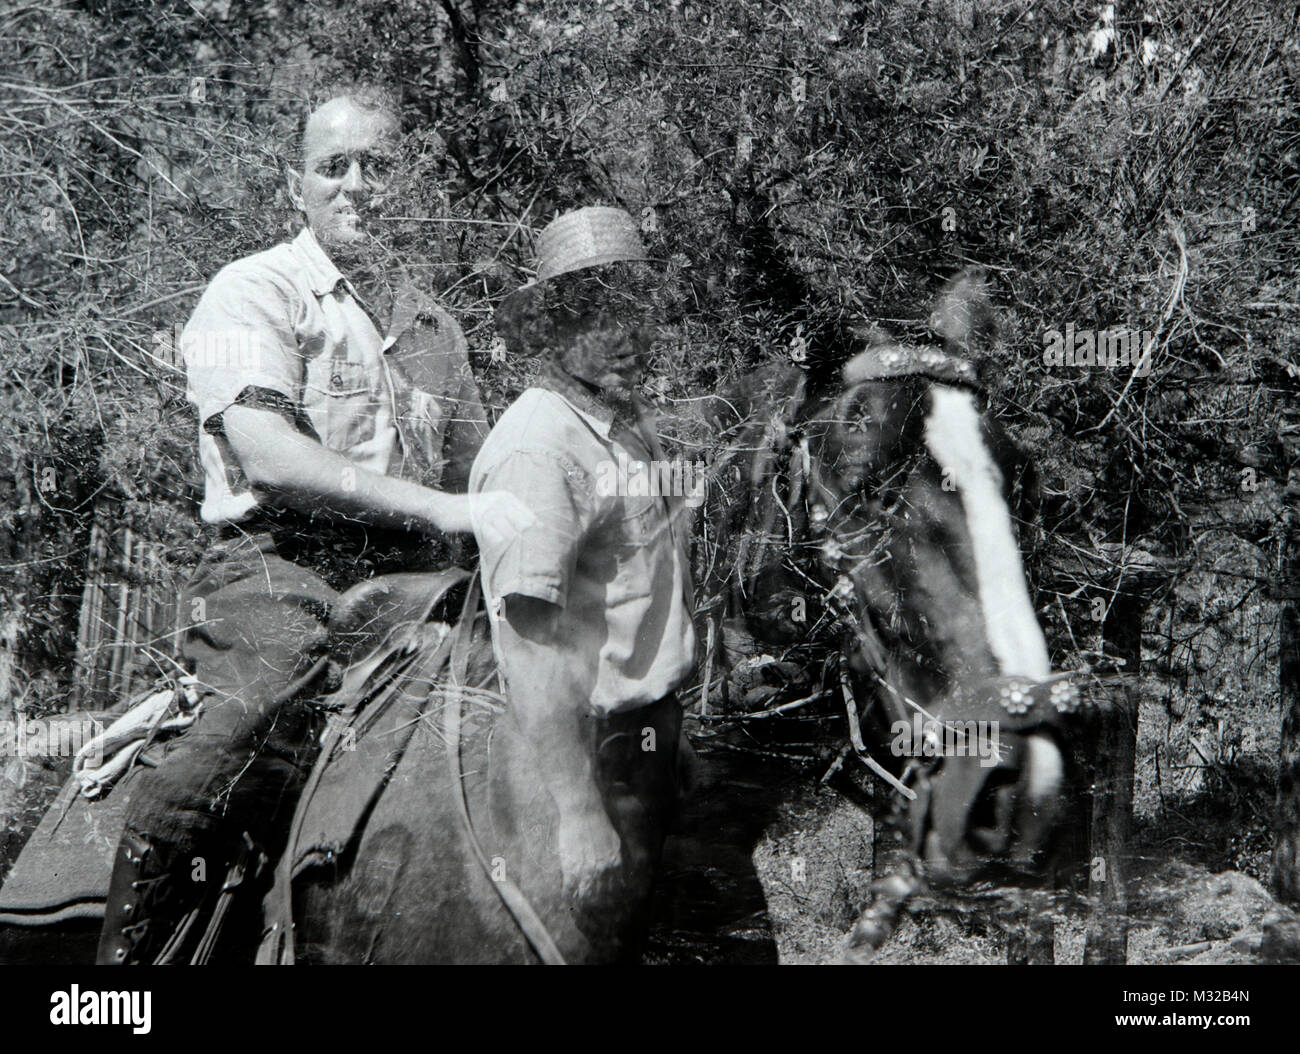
576, 394
321, 272
603, 419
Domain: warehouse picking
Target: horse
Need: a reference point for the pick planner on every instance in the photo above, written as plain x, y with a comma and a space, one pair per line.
887, 514
447, 853
423, 835
893, 502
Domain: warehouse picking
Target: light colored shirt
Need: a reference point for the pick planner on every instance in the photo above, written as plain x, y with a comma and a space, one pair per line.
617, 566
287, 321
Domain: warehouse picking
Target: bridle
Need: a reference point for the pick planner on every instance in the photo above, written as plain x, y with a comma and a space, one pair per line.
1017, 702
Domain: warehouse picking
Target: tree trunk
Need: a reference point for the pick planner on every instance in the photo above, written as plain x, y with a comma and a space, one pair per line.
1112, 801
1286, 844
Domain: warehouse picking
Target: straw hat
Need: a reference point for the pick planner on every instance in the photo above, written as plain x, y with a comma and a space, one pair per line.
587, 237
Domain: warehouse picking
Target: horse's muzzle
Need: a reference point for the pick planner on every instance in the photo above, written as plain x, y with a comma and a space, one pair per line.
977, 807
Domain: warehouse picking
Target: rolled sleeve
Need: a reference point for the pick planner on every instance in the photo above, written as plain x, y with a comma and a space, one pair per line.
538, 562
240, 336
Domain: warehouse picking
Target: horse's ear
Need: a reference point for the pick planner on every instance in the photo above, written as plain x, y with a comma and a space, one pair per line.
963, 315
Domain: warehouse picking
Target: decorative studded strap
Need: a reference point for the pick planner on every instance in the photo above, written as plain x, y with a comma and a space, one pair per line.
901, 360
1017, 704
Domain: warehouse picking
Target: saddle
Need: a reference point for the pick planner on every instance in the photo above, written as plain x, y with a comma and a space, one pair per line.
381, 633
385, 634
388, 630
379, 611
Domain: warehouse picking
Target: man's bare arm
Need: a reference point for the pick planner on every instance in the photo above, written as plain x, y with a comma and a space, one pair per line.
588, 844
301, 473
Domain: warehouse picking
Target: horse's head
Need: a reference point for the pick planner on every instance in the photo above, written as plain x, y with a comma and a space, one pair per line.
910, 491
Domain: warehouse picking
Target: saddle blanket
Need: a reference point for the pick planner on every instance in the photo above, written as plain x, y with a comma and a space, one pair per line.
63, 870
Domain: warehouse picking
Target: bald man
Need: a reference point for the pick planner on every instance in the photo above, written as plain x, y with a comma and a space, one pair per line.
309, 419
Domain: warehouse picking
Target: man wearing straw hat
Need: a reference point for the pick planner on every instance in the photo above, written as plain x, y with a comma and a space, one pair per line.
590, 607
328, 453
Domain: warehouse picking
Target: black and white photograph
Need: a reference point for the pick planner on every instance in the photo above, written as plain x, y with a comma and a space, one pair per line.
651, 482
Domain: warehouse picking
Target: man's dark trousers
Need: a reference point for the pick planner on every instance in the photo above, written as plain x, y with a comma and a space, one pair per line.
255, 634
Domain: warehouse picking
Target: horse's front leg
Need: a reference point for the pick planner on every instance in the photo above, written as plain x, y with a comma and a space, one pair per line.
889, 899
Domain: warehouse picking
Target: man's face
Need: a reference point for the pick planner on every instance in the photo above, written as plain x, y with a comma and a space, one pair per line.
349, 153
607, 340
609, 355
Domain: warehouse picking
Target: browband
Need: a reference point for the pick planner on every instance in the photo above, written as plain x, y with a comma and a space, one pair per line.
900, 360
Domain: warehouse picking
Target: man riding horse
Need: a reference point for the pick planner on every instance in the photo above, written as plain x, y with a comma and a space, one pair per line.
591, 608
308, 416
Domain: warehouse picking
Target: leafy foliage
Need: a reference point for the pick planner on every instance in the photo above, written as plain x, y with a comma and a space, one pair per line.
808, 170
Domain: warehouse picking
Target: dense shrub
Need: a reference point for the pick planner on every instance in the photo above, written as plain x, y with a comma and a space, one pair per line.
808, 169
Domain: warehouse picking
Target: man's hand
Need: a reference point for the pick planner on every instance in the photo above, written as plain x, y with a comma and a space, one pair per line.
586, 842
497, 518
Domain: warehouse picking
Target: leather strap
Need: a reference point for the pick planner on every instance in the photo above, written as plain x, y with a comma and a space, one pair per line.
516, 903
249, 858
901, 360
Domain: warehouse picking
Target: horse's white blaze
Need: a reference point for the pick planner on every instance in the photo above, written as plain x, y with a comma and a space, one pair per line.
1046, 766
952, 432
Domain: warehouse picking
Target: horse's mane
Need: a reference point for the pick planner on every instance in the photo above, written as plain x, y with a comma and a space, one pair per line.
756, 428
